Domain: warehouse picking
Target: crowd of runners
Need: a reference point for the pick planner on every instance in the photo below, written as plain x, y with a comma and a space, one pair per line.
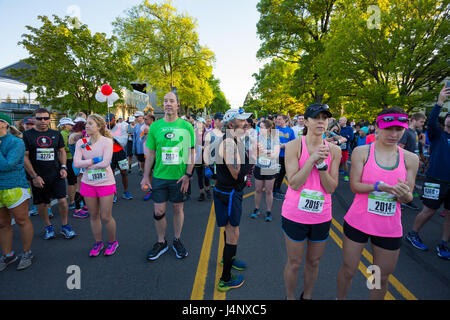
228, 152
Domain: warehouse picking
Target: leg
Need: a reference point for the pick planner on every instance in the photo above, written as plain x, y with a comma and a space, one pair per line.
259, 184
294, 262
178, 219
161, 225
269, 193
6, 231
446, 226
351, 253
63, 211
313, 254
20, 214
422, 218
94, 211
229, 250
124, 175
106, 204
71, 189
386, 260
43, 213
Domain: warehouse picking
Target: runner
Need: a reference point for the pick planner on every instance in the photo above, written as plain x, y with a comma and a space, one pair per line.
138, 145
171, 142
312, 169
149, 118
14, 195
299, 126
66, 125
436, 187
98, 185
232, 164
203, 181
346, 132
266, 167
119, 159
382, 177
130, 131
45, 162
212, 142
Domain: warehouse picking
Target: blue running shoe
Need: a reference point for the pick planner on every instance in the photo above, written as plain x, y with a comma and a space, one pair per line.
72, 206
148, 196
235, 282
255, 214
127, 196
415, 240
443, 251
33, 212
268, 216
237, 264
49, 232
67, 232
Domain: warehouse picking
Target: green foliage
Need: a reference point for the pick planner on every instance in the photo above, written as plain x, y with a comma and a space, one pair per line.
69, 65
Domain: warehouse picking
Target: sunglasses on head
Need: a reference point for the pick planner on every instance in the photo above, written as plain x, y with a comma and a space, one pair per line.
42, 118
392, 118
319, 106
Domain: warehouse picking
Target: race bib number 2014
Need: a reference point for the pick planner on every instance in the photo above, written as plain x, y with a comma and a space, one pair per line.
382, 203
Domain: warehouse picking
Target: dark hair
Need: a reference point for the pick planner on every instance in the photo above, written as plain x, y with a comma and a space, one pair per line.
392, 110
269, 124
41, 110
418, 116
79, 126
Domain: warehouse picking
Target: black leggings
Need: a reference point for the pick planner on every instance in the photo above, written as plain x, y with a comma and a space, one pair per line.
280, 175
202, 180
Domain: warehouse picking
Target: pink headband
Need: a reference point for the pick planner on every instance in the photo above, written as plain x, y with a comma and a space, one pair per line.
382, 124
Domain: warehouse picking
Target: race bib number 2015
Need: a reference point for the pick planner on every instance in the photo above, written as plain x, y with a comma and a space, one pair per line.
311, 201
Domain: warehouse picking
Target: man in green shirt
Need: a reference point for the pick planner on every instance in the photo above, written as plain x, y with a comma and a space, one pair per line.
170, 145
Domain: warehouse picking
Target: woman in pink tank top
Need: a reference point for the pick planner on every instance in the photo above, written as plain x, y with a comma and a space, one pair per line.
312, 170
382, 177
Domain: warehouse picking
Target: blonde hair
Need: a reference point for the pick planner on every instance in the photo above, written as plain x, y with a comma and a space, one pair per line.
101, 123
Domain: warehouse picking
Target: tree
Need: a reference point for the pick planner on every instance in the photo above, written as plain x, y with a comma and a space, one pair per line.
69, 65
219, 102
167, 52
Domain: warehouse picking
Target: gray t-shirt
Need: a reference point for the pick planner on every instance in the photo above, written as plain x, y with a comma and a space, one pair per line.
411, 141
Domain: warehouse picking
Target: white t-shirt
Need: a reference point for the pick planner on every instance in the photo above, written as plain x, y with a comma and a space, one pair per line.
298, 131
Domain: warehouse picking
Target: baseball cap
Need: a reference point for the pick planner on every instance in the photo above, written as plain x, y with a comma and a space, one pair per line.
393, 119
313, 110
120, 117
218, 116
139, 114
64, 121
201, 119
5, 118
28, 120
110, 118
79, 119
239, 114
132, 119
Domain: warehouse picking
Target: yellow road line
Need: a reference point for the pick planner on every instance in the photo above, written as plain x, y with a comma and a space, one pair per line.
198, 290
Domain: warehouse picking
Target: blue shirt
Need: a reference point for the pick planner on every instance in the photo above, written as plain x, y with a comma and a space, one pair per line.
440, 148
138, 144
12, 154
286, 134
347, 132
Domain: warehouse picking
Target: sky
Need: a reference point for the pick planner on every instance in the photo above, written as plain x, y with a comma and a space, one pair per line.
228, 28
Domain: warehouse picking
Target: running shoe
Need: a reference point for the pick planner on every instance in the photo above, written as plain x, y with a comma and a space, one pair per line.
127, 196
179, 249
33, 212
80, 214
67, 232
255, 214
346, 179
414, 239
235, 282
111, 248
202, 197
5, 261
268, 216
443, 251
72, 206
148, 196
237, 264
278, 196
158, 249
50, 213
49, 232
25, 260
97, 249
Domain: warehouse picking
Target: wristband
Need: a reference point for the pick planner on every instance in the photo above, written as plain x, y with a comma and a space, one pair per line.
377, 184
64, 167
189, 175
97, 160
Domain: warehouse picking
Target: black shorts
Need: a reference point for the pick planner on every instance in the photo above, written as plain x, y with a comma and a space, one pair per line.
141, 157
166, 190
228, 208
54, 188
435, 192
71, 177
119, 159
263, 174
361, 237
298, 232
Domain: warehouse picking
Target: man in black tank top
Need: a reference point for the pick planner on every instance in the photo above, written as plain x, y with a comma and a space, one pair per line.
233, 163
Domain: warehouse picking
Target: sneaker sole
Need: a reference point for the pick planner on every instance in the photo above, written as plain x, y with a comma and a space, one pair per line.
111, 253
159, 254
26, 265
177, 255
225, 289
67, 236
7, 264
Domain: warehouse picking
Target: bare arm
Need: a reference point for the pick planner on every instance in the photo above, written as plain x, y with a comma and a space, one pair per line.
330, 178
296, 176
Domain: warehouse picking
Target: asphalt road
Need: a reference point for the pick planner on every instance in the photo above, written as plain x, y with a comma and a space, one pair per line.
129, 276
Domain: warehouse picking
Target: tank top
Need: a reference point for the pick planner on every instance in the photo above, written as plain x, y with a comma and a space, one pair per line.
311, 204
378, 213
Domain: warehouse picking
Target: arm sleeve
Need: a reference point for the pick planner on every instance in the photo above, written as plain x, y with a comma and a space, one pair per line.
77, 158
107, 155
433, 123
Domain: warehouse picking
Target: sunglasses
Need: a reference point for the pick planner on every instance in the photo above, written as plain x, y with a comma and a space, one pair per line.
42, 118
392, 118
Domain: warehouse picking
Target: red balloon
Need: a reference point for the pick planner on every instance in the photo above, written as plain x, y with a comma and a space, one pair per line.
107, 90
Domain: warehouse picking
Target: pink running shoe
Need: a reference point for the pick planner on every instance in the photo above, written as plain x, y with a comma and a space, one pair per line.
111, 249
97, 249
80, 214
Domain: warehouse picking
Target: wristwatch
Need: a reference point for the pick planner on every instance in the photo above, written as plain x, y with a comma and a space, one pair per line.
64, 167
189, 175
322, 167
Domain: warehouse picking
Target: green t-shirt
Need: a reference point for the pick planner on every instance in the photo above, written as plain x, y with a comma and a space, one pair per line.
65, 135
171, 141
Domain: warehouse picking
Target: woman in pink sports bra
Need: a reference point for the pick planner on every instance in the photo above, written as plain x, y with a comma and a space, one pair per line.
382, 177
312, 170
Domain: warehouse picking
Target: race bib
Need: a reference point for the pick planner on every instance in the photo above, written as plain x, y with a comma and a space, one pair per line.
382, 203
311, 201
264, 162
45, 154
170, 156
431, 191
123, 164
96, 175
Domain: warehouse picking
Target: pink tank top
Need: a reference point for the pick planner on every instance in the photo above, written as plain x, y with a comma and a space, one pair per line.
378, 213
311, 204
